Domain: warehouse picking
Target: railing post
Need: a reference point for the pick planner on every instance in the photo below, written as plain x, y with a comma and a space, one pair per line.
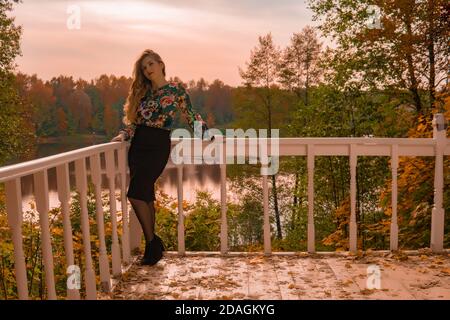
263, 147
115, 248
41, 194
15, 218
311, 229
353, 227
62, 180
267, 237
105, 276
394, 223
122, 156
438, 214
223, 199
81, 184
181, 243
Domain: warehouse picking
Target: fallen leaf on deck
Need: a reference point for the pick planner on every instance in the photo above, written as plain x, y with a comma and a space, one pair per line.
367, 291
446, 270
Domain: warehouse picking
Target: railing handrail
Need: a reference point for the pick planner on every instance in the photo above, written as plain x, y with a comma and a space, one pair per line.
29, 167
32, 166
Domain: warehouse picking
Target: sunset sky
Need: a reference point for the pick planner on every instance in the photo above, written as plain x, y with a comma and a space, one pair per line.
196, 38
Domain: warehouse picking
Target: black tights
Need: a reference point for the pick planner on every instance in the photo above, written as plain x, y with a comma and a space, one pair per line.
145, 212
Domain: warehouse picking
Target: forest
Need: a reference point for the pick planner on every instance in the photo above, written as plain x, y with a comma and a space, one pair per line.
384, 81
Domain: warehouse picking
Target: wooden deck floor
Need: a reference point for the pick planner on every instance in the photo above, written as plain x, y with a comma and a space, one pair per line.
296, 276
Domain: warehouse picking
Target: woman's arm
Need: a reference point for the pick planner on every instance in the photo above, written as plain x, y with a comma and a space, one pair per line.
185, 106
128, 131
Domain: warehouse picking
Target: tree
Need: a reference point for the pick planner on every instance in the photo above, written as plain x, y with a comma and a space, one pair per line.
81, 109
408, 50
97, 107
16, 132
62, 89
111, 90
10, 37
299, 70
416, 190
39, 96
198, 93
262, 72
61, 121
300, 63
217, 103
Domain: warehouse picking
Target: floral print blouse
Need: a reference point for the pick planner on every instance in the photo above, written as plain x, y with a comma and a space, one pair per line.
158, 109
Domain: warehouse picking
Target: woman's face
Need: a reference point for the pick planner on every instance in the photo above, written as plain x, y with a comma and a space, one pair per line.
152, 69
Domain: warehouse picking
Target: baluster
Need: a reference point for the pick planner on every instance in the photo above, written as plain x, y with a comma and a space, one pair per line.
267, 239
353, 229
111, 174
15, 218
135, 231
438, 213
311, 229
81, 183
181, 244
62, 179
264, 170
41, 195
105, 276
122, 155
394, 222
223, 200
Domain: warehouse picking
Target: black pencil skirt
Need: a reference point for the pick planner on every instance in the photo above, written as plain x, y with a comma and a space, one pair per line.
147, 157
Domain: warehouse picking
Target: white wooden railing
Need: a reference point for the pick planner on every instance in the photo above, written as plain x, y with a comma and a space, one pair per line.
437, 147
11, 175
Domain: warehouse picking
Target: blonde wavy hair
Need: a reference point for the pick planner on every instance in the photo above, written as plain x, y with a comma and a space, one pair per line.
139, 86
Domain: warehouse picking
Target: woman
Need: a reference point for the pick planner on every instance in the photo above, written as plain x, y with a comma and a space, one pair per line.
151, 105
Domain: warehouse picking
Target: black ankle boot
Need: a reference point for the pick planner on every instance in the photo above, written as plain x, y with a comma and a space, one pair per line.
160, 242
155, 251
146, 259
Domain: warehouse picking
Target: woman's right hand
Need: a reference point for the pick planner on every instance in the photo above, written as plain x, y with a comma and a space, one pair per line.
120, 138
